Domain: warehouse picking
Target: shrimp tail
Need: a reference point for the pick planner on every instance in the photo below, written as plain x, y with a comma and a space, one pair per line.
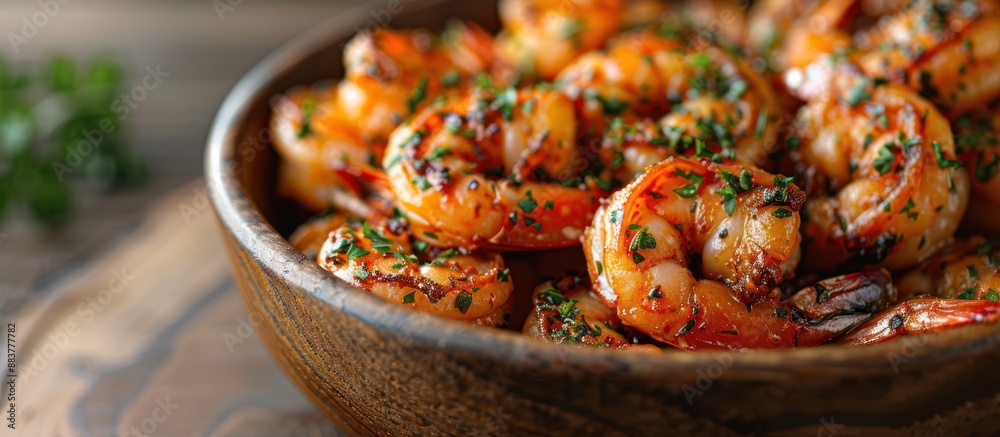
921, 316
835, 305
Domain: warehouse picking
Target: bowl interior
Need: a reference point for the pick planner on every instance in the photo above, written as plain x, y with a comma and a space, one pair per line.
241, 171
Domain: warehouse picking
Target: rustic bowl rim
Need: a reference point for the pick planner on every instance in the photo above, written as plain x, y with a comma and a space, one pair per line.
255, 235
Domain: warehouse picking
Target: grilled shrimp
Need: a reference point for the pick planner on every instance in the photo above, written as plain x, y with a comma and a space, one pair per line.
310, 129
666, 84
957, 288
948, 50
392, 74
384, 260
741, 226
566, 311
879, 164
309, 237
317, 143
500, 168
542, 36
977, 138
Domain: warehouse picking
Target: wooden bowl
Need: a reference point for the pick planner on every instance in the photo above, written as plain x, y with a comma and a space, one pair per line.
378, 368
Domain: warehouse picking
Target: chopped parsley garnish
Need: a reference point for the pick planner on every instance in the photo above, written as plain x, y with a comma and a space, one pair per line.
450, 78
379, 242
885, 159
527, 204
355, 252
463, 301
992, 295
782, 213
419, 94
308, 106
691, 189
409, 297
362, 273
941, 160
857, 95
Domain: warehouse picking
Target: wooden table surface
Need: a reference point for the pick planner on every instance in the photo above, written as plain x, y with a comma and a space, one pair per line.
152, 338
176, 337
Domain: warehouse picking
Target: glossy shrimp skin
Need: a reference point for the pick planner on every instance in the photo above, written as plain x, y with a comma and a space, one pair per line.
542, 36
879, 165
948, 50
317, 142
977, 137
310, 129
959, 287
499, 169
679, 85
384, 260
391, 74
743, 225
567, 312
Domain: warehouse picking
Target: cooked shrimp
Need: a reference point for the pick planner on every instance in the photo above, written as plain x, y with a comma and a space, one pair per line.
741, 225
384, 260
542, 36
391, 74
879, 164
309, 237
724, 19
948, 50
309, 129
500, 168
566, 311
315, 188
690, 91
977, 137
770, 20
957, 288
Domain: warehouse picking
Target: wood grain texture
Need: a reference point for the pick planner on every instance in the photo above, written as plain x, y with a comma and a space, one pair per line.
175, 336
377, 368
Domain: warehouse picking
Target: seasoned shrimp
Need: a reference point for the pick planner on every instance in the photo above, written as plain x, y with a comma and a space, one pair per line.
977, 137
391, 74
500, 168
676, 88
317, 144
770, 20
741, 225
566, 311
384, 260
309, 237
948, 50
879, 164
542, 36
309, 129
957, 288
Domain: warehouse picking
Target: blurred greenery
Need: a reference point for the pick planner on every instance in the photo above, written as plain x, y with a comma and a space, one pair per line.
58, 127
